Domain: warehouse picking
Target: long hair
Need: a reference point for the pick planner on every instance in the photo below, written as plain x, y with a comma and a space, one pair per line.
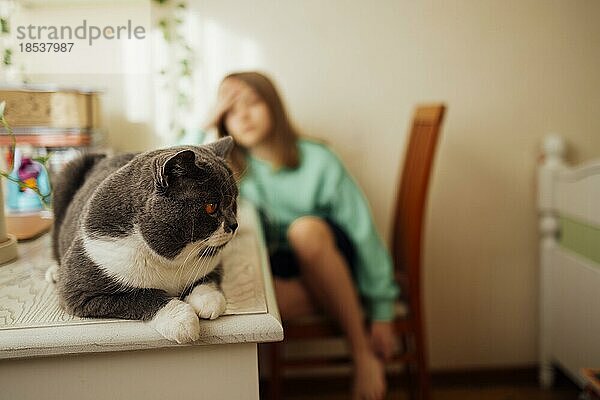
282, 131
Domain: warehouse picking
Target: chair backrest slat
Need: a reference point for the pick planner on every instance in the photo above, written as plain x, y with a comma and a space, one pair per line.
411, 200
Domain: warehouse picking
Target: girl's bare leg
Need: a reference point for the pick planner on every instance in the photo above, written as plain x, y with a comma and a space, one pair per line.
327, 278
293, 300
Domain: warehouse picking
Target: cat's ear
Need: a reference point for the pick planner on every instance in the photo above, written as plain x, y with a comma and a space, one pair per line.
174, 165
222, 147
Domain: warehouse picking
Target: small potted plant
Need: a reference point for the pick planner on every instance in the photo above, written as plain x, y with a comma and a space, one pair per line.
23, 178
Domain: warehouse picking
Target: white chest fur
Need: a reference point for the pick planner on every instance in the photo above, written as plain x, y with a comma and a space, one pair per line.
131, 261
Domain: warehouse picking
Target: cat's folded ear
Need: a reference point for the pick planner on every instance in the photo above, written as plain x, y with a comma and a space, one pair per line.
222, 147
174, 165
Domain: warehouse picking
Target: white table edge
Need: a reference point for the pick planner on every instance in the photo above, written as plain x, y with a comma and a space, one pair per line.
136, 335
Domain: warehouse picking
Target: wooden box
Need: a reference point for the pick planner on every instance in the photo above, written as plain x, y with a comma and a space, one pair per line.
50, 108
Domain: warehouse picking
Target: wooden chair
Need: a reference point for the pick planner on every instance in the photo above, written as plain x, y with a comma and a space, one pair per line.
406, 249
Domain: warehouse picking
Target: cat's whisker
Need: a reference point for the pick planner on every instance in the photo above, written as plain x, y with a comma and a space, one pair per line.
183, 265
205, 262
197, 270
204, 267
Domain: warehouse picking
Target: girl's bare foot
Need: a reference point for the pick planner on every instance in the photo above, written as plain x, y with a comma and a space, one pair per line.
369, 377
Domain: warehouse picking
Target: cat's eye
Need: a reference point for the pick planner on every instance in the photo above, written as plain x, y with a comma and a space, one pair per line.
210, 208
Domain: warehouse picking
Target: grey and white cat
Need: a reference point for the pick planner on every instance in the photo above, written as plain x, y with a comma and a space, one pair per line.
138, 236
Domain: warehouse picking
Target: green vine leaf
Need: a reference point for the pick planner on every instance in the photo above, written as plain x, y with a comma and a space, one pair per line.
186, 70
7, 57
42, 159
163, 23
4, 26
182, 99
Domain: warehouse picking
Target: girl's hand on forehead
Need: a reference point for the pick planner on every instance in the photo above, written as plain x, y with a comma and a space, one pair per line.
228, 94
230, 88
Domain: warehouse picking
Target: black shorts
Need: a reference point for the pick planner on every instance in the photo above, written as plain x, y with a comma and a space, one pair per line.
284, 263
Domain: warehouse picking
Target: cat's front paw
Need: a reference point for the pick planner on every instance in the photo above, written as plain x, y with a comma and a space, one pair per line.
177, 321
208, 302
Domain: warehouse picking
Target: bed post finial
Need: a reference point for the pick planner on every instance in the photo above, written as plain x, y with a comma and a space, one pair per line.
554, 149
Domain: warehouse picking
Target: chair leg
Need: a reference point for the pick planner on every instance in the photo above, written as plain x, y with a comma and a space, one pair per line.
423, 381
411, 372
409, 369
275, 353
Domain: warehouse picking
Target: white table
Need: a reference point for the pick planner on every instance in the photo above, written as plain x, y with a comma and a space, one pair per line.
47, 354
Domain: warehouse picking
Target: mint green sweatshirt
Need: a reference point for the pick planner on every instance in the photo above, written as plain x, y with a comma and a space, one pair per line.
322, 187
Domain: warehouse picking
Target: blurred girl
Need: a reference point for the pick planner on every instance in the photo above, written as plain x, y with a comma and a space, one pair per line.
317, 225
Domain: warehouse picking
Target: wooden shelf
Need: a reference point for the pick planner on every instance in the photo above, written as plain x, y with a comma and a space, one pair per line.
49, 140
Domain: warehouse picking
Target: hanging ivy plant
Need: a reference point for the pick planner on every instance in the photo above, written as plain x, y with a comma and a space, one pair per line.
180, 72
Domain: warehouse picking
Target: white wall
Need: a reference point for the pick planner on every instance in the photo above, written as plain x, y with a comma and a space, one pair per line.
351, 72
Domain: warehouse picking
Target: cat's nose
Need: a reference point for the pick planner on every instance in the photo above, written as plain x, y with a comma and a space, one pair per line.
231, 227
